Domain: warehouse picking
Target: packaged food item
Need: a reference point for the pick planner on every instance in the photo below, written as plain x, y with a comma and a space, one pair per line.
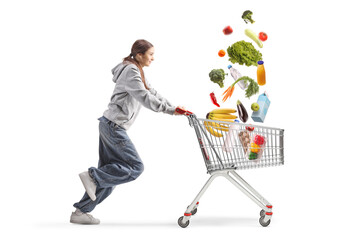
259, 140
252, 156
261, 77
264, 103
230, 137
256, 147
244, 137
236, 75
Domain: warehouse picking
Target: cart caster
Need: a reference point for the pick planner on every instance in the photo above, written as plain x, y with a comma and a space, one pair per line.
193, 212
262, 222
262, 213
183, 225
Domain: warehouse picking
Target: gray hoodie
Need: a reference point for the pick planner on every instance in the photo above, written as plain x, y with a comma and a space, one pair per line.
130, 94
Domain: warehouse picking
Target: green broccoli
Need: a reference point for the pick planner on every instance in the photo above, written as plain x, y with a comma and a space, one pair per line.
217, 76
247, 16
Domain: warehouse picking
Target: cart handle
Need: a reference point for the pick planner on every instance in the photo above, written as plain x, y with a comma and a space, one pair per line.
183, 111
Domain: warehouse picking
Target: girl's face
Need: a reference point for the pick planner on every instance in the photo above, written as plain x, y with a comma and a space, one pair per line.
146, 58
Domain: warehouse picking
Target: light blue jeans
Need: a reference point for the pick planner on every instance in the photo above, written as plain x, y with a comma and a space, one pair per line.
119, 163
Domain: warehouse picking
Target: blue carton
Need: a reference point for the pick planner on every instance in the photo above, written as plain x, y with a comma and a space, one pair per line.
264, 103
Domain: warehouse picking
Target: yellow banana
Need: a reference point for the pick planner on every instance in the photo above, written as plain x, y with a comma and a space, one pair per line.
221, 119
222, 129
223, 110
223, 115
212, 131
218, 126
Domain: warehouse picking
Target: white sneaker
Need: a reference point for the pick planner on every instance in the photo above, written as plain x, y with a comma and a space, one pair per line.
89, 184
83, 218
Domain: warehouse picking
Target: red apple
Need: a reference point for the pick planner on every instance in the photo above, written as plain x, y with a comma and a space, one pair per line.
227, 30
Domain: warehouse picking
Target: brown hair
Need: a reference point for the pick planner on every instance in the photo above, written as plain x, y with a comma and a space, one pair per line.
139, 46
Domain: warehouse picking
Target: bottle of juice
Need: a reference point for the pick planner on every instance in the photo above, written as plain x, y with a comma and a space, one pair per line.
261, 80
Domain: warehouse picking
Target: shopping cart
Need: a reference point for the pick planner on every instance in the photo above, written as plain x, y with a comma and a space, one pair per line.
229, 146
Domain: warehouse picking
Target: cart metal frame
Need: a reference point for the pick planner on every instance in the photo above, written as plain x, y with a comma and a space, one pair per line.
225, 163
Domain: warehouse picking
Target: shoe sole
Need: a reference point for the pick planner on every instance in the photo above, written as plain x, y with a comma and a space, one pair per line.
92, 196
82, 223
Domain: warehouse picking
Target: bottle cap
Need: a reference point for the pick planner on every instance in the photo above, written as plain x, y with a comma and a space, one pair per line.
229, 66
260, 62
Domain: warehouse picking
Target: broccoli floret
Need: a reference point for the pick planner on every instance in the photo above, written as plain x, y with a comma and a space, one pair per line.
217, 76
247, 16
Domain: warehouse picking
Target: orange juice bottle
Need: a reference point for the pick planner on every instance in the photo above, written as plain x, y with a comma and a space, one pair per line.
261, 80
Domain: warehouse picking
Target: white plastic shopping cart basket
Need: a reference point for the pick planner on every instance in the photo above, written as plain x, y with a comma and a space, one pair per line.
227, 147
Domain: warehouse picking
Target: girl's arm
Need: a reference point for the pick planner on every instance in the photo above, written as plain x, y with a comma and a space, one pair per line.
153, 101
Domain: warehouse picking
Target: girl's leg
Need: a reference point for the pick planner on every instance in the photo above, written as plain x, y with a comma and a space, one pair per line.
87, 205
119, 162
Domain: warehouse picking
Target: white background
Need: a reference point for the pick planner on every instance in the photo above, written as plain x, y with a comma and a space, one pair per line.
55, 61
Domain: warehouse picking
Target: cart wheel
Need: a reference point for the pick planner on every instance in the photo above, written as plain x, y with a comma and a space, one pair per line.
262, 223
183, 225
193, 212
262, 213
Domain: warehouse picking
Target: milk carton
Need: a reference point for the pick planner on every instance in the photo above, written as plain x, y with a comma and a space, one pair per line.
264, 103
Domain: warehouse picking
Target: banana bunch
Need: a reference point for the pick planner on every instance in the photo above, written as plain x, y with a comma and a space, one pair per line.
220, 114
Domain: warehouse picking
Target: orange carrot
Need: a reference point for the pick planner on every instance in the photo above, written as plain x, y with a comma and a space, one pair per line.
226, 90
232, 90
228, 93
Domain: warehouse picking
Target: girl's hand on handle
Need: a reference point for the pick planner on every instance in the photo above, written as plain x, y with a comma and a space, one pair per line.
180, 110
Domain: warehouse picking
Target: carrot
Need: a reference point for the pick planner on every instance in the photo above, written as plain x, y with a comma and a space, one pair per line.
232, 90
225, 93
228, 92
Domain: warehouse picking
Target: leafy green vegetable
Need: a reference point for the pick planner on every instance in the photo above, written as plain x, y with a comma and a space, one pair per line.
247, 16
253, 87
244, 53
217, 76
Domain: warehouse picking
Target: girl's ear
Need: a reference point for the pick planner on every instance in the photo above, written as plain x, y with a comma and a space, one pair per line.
139, 56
